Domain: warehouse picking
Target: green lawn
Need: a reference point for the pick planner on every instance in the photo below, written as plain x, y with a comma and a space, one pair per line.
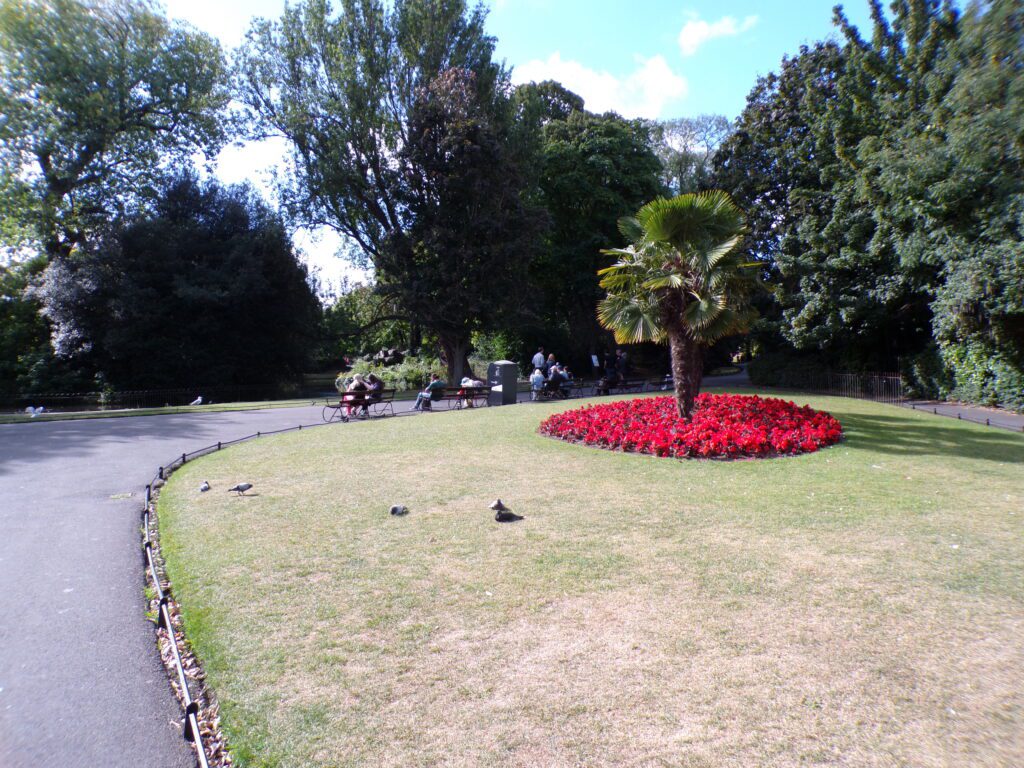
862, 606
114, 413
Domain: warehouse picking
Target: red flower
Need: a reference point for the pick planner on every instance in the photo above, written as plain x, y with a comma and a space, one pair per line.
723, 426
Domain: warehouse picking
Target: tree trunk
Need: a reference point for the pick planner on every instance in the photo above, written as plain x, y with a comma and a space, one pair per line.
455, 351
687, 368
415, 337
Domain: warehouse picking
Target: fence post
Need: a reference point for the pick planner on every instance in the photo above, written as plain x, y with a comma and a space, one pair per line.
218, 445
160, 473
184, 458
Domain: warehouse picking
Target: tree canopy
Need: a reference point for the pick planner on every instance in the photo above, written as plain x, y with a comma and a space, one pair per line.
204, 291
97, 97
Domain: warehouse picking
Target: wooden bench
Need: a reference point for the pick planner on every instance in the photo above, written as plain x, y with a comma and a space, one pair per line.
368, 403
455, 397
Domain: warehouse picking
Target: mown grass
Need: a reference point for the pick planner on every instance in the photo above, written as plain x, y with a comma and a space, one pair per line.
117, 413
859, 606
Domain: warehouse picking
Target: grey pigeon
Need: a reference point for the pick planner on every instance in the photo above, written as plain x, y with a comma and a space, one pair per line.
505, 516
241, 488
205, 486
497, 506
398, 510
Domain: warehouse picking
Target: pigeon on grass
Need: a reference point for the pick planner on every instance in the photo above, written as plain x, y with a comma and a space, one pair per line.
241, 488
205, 486
398, 510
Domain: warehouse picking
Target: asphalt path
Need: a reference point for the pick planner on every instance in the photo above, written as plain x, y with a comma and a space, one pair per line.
81, 682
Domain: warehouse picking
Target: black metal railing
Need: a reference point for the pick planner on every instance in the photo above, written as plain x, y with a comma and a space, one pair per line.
879, 387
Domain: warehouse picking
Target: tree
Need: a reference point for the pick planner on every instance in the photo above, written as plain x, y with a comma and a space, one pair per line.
204, 291
97, 98
348, 93
593, 170
341, 91
686, 147
681, 281
461, 265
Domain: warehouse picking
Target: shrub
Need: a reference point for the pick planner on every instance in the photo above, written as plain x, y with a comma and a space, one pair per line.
412, 373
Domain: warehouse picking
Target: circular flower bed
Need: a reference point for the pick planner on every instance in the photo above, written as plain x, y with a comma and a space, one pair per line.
722, 427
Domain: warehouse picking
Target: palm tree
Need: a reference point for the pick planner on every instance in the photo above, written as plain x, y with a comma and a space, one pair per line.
681, 281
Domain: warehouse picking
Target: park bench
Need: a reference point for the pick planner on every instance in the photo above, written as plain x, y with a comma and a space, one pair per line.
455, 397
366, 404
565, 390
624, 387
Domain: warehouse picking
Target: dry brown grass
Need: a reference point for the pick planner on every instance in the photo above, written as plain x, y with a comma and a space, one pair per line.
859, 607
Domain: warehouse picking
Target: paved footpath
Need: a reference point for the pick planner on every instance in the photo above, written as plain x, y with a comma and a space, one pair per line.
81, 682
993, 417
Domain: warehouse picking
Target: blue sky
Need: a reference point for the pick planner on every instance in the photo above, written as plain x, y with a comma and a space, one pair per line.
659, 58
641, 58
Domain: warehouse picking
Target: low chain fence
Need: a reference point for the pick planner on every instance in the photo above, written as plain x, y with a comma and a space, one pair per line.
201, 715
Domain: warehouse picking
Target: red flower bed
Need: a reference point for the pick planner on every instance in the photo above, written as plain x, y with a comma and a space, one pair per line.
722, 427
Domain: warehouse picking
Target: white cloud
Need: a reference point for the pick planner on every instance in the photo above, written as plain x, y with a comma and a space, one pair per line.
696, 32
642, 93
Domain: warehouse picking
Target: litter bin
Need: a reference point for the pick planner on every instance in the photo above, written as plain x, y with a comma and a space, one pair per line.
503, 376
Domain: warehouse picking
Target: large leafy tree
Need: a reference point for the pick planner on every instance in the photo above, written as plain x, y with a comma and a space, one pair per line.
460, 266
686, 147
340, 88
204, 291
97, 96
593, 170
807, 161
352, 93
681, 280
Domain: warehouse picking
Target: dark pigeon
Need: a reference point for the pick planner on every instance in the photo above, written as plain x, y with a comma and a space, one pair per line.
398, 510
241, 488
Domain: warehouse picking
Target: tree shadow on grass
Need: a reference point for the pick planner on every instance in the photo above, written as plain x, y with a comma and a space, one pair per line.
908, 435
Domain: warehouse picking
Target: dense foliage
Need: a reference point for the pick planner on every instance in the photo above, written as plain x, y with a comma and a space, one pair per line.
885, 180
722, 427
116, 91
205, 291
593, 170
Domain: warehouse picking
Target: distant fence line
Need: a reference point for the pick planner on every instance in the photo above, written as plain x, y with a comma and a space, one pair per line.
879, 387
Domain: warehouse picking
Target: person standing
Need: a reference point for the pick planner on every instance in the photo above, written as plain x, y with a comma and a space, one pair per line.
538, 359
549, 364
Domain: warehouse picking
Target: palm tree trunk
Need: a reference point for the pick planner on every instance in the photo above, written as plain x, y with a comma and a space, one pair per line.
687, 368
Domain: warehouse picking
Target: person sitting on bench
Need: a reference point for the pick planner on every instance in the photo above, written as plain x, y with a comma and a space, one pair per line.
374, 387
357, 386
536, 383
434, 391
